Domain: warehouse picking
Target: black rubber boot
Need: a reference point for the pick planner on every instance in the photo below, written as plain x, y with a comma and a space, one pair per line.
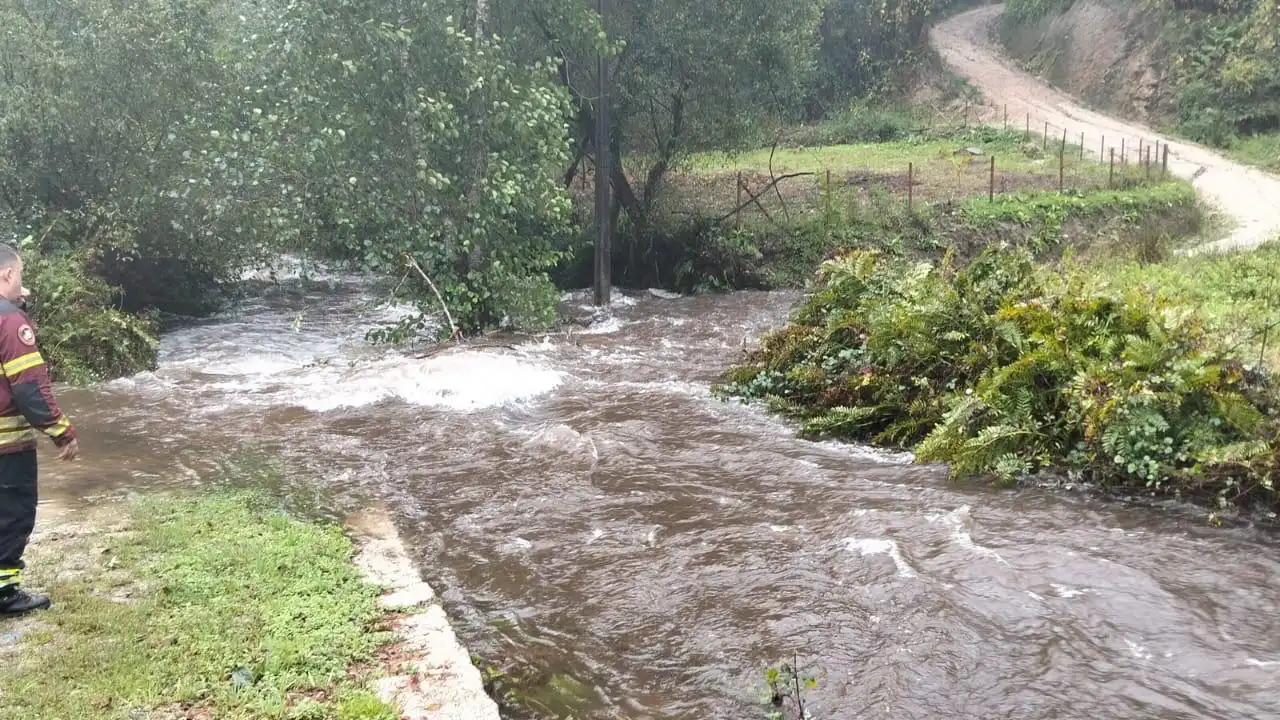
21, 602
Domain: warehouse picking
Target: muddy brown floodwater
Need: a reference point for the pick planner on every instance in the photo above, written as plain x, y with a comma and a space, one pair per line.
586, 506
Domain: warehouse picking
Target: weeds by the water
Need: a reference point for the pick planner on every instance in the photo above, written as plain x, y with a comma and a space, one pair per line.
1007, 369
196, 608
785, 687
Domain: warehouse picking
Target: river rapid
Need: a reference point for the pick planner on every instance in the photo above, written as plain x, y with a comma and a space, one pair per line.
586, 507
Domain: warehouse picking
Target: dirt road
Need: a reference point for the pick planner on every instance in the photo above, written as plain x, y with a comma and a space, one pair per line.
1247, 195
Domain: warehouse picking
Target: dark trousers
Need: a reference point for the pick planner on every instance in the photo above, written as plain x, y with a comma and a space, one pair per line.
18, 497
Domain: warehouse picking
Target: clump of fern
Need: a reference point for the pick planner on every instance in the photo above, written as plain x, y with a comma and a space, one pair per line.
1007, 368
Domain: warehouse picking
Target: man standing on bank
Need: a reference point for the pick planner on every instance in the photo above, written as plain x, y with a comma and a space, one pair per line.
27, 409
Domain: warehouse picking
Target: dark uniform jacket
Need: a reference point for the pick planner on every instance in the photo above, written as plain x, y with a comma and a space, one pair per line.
27, 407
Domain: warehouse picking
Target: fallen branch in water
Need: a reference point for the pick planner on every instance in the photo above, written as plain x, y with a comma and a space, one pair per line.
455, 333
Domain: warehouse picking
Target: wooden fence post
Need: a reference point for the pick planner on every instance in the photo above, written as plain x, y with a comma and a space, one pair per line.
1124, 159
1027, 138
1081, 147
911, 173
1111, 174
1062, 166
737, 214
1164, 170
1102, 150
1044, 144
991, 183
1006, 117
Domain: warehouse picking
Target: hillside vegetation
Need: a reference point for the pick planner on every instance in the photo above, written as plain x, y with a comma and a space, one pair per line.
1208, 70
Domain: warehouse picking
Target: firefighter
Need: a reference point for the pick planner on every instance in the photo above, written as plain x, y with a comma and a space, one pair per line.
27, 410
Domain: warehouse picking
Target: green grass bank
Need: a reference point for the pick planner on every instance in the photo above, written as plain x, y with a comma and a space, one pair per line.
216, 606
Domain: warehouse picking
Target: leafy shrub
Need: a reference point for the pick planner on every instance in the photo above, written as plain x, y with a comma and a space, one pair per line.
1006, 368
83, 335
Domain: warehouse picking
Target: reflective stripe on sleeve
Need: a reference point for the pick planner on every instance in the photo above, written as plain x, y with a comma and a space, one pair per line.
23, 363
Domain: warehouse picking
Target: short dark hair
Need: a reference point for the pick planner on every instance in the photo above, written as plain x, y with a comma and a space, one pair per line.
8, 255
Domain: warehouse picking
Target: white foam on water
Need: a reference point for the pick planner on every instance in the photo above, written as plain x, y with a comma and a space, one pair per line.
881, 546
292, 267
1068, 592
585, 300
603, 326
390, 313
959, 520
469, 380
458, 381
866, 452
1137, 650
664, 294
561, 438
519, 543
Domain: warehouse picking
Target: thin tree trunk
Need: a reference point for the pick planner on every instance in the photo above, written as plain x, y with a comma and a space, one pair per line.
480, 160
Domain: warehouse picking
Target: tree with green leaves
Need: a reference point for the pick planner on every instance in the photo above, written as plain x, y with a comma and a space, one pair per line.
397, 137
686, 76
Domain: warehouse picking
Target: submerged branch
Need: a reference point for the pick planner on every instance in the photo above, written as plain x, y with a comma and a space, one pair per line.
455, 333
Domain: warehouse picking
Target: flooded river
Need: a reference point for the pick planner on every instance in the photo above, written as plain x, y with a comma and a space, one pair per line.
584, 505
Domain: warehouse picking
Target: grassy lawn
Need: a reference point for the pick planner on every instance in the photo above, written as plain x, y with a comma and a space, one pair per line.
210, 607
921, 169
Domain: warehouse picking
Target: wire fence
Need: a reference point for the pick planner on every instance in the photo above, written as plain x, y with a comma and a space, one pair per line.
950, 162
985, 154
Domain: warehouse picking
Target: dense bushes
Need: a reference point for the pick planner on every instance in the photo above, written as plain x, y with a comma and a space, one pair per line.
84, 336
1006, 368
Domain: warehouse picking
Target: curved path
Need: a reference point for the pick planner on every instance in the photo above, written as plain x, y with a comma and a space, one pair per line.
1249, 196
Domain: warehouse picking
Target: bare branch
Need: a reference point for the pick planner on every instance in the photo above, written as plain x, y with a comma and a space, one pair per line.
754, 198
454, 332
785, 210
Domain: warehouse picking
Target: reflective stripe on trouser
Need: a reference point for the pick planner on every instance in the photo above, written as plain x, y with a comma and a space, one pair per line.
10, 578
18, 496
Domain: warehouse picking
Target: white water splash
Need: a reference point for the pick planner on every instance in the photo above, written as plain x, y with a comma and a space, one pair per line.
602, 326
881, 546
1068, 592
457, 381
960, 520
293, 267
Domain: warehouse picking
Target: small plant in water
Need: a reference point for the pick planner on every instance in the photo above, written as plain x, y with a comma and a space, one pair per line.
784, 692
